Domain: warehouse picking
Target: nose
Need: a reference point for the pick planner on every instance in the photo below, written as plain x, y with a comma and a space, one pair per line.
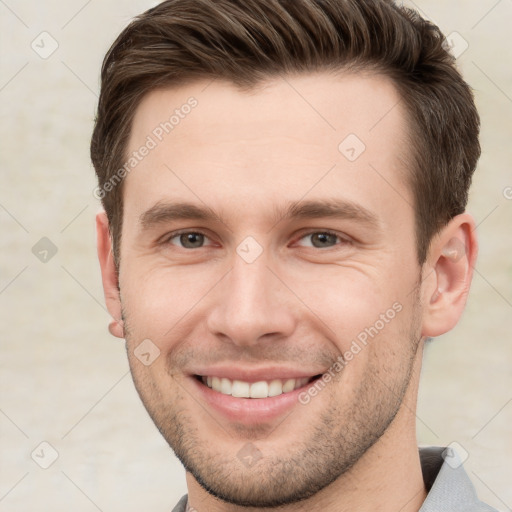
252, 304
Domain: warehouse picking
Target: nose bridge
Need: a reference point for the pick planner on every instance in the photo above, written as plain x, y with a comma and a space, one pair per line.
250, 303
250, 285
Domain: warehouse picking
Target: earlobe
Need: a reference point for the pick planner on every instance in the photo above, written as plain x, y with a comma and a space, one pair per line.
451, 259
109, 275
116, 328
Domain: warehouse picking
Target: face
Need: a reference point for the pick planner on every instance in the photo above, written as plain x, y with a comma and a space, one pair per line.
268, 278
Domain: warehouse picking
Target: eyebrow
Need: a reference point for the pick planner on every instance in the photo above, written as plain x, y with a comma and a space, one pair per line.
165, 211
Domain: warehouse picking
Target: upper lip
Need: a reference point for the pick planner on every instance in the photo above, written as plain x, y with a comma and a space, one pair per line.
231, 372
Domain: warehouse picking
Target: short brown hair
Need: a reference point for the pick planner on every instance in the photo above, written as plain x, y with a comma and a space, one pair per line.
180, 41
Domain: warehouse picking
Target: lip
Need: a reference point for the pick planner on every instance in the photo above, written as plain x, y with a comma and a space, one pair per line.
249, 411
255, 374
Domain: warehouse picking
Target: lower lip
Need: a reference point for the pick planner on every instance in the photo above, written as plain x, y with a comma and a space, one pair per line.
250, 410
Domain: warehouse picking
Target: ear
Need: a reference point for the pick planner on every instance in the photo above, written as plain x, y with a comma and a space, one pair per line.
109, 274
448, 272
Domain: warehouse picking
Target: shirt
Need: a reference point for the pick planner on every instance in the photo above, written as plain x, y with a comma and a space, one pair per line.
448, 485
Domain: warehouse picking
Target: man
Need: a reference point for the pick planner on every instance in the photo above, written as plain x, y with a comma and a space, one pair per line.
284, 185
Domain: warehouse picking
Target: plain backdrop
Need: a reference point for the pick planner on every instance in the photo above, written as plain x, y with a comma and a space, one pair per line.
64, 381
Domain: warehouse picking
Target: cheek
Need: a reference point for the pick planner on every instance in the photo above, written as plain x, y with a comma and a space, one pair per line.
352, 305
156, 299
344, 303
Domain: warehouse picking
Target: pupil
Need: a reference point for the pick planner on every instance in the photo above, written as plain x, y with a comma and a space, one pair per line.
187, 239
323, 237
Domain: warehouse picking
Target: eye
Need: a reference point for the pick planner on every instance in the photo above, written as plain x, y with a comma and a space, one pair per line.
323, 239
187, 239
196, 239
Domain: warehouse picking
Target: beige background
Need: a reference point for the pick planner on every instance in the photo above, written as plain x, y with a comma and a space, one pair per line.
65, 380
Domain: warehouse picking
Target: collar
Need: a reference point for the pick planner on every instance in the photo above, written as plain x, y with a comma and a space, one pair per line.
448, 486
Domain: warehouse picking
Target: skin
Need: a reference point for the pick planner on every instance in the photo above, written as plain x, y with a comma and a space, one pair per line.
300, 304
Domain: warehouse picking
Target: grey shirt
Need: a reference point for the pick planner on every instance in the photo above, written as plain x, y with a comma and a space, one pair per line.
448, 486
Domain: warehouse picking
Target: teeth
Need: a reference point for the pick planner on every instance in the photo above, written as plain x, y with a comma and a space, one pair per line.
289, 385
275, 388
260, 389
225, 386
239, 389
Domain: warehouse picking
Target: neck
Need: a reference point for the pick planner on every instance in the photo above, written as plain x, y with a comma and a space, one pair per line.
387, 478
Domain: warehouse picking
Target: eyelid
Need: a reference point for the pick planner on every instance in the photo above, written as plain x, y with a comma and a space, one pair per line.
169, 236
342, 237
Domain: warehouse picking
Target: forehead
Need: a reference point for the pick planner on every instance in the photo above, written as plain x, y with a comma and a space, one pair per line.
284, 136
327, 103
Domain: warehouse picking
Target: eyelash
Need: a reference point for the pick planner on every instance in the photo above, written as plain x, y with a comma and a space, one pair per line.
343, 240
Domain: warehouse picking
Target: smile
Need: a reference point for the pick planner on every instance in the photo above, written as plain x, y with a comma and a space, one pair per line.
260, 389
251, 395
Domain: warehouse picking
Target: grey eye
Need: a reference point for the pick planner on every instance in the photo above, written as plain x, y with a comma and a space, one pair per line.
189, 240
321, 239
